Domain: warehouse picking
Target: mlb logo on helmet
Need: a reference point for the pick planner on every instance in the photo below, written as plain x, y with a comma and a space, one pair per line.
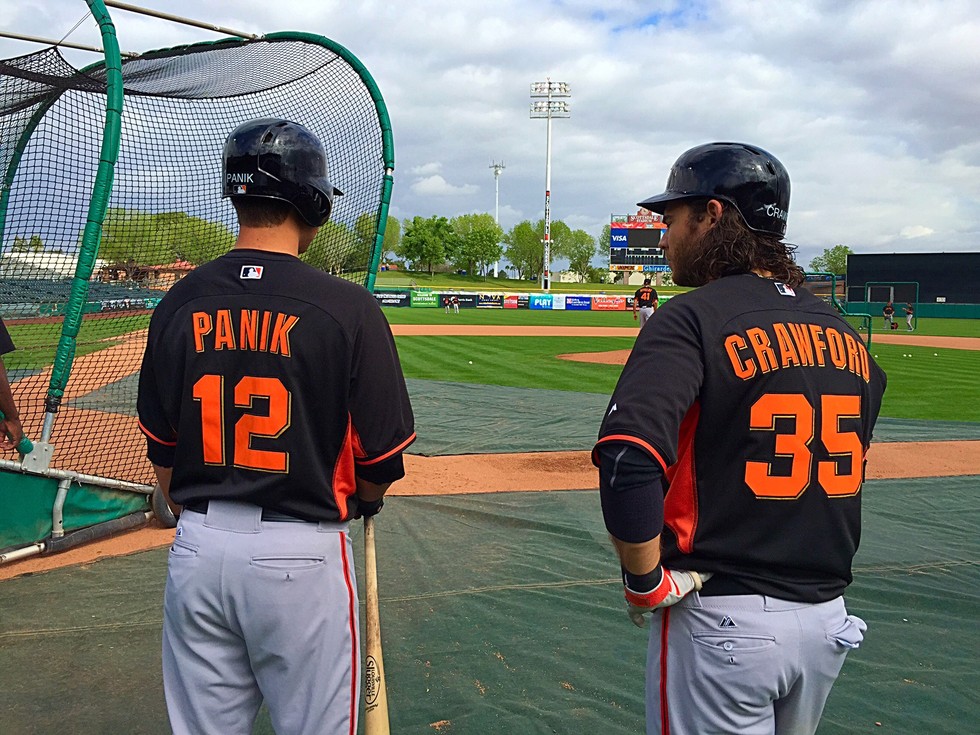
252, 272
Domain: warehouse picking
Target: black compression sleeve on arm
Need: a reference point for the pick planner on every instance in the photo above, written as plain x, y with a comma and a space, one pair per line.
631, 491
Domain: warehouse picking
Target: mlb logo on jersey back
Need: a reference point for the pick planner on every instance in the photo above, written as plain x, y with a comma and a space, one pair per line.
240, 188
784, 289
252, 271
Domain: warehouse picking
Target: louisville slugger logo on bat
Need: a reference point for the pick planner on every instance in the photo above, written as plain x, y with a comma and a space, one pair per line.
372, 683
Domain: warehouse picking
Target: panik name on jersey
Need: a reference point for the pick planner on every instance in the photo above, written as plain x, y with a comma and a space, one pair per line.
760, 350
260, 331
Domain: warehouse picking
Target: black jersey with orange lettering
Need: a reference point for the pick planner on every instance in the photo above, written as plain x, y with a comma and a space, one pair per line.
758, 402
645, 296
6, 344
273, 383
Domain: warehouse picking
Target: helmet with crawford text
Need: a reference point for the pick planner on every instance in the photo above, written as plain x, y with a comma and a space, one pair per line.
278, 159
747, 177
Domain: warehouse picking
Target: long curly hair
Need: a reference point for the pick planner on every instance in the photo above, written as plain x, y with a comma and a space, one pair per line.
731, 248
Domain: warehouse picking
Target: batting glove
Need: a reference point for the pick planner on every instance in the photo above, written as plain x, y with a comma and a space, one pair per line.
368, 508
672, 587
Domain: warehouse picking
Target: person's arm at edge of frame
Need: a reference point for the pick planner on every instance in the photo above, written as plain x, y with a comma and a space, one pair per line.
164, 475
11, 430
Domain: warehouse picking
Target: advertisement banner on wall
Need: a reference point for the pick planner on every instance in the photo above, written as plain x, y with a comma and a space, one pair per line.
466, 300
490, 301
578, 303
425, 299
516, 301
558, 301
393, 298
540, 301
608, 303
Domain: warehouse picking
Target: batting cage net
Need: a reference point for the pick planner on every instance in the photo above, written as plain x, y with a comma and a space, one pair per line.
78, 310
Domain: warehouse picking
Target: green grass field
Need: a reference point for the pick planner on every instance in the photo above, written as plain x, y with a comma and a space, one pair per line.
36, 343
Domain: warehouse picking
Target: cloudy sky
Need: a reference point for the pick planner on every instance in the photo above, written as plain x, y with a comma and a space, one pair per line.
872, 105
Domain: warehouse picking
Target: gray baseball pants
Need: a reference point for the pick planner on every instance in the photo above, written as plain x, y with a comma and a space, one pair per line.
746, 664
257, 609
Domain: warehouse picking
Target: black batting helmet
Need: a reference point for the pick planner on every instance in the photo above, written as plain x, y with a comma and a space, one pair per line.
279, 159
747, 177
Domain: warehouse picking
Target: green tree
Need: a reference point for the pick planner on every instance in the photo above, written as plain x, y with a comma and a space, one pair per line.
393, 237
334, 249
475, 242
193, 239
34, 244
524, 250
424, 242
525, 245
580, 248
129, 236
832, 260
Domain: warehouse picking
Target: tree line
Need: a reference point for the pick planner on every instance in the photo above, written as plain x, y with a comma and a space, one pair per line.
473, 242
144, 238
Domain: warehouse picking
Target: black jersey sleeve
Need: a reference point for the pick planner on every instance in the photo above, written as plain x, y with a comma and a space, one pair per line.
161, 437
381, 415
6, 344
658, 385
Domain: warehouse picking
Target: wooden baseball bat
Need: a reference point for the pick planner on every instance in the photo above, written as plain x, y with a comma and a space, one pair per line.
375, 689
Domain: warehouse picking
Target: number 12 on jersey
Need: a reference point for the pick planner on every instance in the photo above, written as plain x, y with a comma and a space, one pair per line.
795, 445
209, 391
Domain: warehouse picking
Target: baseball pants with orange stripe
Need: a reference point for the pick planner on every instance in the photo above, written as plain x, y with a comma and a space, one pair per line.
260, 609
747, 664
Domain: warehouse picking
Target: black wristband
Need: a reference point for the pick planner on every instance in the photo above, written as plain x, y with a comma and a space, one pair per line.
643, 582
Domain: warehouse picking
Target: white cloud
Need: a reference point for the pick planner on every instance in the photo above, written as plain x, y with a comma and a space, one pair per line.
427, 169
915, 231
436, 186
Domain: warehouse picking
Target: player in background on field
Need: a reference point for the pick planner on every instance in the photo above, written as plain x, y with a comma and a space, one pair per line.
909, 314
730, 480
275, 411
11, 431
889, 313
645, 301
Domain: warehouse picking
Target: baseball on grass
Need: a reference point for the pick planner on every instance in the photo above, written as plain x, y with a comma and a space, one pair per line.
471, 362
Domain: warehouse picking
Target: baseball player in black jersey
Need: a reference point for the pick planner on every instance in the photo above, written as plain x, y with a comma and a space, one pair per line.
11, 431
645, 301
731, 459
275, 411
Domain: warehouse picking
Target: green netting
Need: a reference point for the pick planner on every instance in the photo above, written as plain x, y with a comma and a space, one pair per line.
165, 213
502, 614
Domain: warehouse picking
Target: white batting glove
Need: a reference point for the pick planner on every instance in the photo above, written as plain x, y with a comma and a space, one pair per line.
674, 586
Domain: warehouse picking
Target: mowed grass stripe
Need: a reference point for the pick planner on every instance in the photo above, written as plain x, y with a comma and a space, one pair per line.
932, 384
519, 362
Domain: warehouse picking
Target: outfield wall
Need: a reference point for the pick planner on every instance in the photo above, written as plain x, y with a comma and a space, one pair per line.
496, 300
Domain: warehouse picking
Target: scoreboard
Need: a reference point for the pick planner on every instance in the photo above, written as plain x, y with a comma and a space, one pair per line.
634, 242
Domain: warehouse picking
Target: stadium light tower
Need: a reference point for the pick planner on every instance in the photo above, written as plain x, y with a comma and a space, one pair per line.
544, 105
497, 170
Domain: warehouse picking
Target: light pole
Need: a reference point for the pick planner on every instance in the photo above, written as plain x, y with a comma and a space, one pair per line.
497, 170
544, 105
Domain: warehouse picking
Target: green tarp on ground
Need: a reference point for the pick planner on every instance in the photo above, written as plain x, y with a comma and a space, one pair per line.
502, 614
